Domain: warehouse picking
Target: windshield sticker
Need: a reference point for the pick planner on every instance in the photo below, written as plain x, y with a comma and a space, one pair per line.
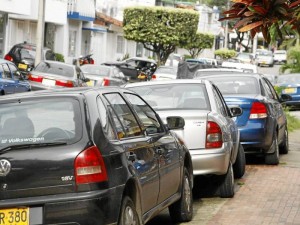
20, 140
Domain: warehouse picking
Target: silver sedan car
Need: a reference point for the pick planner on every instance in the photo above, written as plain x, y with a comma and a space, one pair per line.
209, 132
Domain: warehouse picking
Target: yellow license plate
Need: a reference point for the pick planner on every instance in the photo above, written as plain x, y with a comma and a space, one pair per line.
15, 216
90, 83
22, 66
290, 90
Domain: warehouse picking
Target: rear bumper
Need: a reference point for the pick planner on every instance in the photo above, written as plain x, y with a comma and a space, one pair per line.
92, 208
207, 161
257, 134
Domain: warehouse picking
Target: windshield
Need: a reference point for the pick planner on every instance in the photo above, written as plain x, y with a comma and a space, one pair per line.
236, 85
102, 71
174, 96
56, 68
289, 79
42, 121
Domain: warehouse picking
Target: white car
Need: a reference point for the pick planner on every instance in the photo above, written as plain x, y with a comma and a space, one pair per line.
210, 132
165, 73
280, 56
246, 67
265, 58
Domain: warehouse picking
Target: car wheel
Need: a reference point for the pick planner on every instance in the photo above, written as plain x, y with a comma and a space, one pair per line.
128, 214
240, 163
284, 147
273, 158
2, 92
226, 188
182, 210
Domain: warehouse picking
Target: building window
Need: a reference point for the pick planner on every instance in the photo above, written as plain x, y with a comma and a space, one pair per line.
72, 43
120, 44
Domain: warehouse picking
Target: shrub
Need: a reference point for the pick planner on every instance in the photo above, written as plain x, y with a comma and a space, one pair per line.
59, 57
225, 53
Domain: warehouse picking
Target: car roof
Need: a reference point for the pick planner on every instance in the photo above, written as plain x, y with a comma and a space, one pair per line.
256, 75
77, 91
141, 59
178, 81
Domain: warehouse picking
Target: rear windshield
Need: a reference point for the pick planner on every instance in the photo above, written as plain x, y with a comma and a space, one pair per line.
236, 85
168, 70
35, 122
56, 68
175, 96
101, 71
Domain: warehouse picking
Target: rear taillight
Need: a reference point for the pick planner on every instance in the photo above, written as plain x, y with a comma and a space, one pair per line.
35, 78
213, 135
90, 167
92, 61
258, 111
9, 58
153, 77
106, 82
64, 83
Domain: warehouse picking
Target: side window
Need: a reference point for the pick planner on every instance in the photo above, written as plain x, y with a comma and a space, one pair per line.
146, 115
105, 122
14, 71
275, 96
1, 71
220, 103
6, 72
124, 120
132, 63
267, 89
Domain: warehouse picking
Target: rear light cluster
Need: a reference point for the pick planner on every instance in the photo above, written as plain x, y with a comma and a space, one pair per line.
89, 167
258, 111
213, 135
9, 58
105, 82
153, 77
61, 83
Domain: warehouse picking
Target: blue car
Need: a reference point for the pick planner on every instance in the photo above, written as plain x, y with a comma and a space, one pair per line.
290, 84
263, 124
11, 79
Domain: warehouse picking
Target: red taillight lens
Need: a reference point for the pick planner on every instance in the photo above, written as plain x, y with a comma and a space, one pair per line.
9, 58
92, 61
106, 82
213, 135
35, 78
64, 83
258, 111
153, 77
90, 167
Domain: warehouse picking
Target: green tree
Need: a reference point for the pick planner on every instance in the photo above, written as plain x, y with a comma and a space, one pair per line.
220, 3
196, 43
293, 61
160, 29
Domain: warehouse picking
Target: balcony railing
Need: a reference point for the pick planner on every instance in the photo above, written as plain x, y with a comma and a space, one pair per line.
81, 10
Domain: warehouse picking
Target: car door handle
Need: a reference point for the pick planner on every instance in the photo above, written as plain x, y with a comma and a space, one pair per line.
160, 150
131, 157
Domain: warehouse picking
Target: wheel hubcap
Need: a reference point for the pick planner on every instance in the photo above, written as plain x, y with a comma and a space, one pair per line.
187, 193
129, 216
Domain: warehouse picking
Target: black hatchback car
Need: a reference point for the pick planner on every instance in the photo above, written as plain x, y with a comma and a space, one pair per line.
92, 157
23, 55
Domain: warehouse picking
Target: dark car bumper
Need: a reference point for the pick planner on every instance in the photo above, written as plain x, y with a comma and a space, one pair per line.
92, 208
257, 135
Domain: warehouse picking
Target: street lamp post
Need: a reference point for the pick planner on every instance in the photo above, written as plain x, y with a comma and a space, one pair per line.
40, 31
226, 29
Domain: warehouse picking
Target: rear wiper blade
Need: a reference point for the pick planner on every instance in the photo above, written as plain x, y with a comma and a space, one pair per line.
33, 145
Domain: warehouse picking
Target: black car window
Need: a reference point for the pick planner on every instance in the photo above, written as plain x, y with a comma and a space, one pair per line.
220, 105
123, 118
132, 63
6, 71
105, 122
146, 115
40, 121
223, 102
49, 55
275, 96
267, 89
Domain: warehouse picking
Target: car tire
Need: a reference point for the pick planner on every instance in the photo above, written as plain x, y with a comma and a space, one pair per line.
273, 158
226, 189
182, 210
240, 163
128, 214
2, 92
284, 146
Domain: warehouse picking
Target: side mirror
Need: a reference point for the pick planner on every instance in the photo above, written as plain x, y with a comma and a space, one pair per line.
175, 122
285, 98
236, 111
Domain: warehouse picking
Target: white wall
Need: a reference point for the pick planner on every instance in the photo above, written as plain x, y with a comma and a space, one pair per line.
16, 6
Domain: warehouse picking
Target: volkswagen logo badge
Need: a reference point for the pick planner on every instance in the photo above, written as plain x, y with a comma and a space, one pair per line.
5, 167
